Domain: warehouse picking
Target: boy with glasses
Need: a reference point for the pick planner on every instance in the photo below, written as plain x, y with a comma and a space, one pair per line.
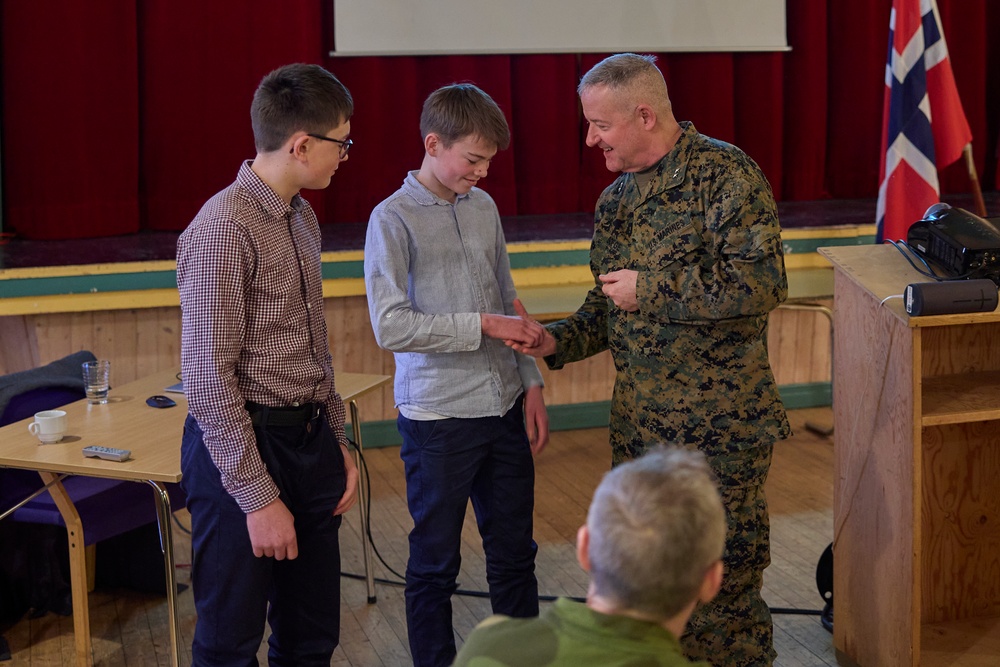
266, 467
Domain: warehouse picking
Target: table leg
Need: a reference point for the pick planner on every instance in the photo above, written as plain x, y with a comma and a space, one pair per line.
77, 567
167, 547
363, 493
819, 429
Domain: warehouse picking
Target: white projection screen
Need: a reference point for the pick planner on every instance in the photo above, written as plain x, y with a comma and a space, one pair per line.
438, 27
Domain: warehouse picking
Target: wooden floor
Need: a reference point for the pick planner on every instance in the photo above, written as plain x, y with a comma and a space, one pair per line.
130, 628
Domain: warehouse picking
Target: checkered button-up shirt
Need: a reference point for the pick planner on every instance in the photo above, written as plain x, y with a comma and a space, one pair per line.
248, 269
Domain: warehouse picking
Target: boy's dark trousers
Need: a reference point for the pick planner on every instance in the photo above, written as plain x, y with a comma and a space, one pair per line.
448, 461
232, 587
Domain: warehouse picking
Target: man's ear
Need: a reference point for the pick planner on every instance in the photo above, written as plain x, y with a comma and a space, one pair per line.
583, 547
712, 582
646, 115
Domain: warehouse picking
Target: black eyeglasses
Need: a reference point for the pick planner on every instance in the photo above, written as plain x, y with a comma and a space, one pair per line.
345, 146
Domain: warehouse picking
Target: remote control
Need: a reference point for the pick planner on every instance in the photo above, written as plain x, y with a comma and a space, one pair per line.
107, 453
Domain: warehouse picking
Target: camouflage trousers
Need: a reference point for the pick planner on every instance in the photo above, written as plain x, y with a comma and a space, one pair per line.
734, 629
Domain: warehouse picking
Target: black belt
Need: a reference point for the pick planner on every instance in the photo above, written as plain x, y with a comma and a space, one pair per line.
291, 416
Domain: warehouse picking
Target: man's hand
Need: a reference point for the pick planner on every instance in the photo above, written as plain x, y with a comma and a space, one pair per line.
517, 328
619, 286
536, 419
543, 348
351, 490
272, 531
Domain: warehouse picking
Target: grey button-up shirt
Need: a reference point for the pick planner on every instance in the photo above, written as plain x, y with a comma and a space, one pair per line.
431, 268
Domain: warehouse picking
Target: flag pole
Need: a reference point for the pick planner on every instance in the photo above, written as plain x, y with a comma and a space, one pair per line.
977, 192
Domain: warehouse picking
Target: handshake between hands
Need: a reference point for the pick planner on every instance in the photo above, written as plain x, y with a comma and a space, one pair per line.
523, 334
520, 332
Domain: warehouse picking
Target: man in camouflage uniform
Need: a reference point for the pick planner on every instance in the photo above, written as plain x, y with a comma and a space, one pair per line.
687, 263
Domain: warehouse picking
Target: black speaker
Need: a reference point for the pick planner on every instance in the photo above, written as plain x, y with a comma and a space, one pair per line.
824, 582
952, 296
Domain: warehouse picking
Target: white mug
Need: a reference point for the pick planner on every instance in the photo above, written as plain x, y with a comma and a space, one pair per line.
49, 426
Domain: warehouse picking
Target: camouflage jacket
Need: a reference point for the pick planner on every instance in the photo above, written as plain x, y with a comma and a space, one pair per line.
692, 365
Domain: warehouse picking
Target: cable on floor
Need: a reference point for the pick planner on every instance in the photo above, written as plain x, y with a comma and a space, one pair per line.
400, 580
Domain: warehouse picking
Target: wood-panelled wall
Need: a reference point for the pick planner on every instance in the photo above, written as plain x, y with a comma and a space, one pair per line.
141, 341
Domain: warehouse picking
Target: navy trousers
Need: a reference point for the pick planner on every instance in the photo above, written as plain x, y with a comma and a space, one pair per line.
235, 591
447, 462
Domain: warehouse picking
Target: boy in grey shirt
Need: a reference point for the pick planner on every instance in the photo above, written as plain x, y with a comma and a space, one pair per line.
441, 299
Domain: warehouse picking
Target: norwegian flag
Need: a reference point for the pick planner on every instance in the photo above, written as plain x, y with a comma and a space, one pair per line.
924, 126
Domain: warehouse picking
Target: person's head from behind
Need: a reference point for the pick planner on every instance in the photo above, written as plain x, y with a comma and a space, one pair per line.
305, 111
628, 111
655, 535
462, 128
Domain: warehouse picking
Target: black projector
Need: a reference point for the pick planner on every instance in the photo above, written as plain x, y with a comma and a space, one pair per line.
960, 243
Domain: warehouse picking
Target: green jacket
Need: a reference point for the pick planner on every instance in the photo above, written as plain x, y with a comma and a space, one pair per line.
692, 365
570, 634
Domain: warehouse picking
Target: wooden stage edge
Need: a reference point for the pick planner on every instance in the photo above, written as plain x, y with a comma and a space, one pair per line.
129, 312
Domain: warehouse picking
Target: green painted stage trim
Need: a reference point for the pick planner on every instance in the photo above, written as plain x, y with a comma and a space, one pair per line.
351, 269
331, 270
377, 434
105, 282
530, 260
595, 415
806, 395
806, 246
518, 260
127, 282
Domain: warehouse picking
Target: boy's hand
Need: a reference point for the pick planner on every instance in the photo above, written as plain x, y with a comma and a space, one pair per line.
545, 347
512, 328
351, 490
272, 531
536, 419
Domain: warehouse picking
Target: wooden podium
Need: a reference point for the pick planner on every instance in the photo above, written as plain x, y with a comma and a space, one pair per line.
916, 474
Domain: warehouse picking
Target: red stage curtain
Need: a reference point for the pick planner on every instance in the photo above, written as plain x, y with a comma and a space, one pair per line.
70, 119
991, 24
965, 21
855, 80
200, 64
389, 93
594, 177
547, 131
805, 102
759, 85
129, 118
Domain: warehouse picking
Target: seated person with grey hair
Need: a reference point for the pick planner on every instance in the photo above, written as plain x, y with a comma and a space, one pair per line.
653, 545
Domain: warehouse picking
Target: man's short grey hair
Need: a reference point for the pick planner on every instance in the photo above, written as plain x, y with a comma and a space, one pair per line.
635, 77
656, 526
